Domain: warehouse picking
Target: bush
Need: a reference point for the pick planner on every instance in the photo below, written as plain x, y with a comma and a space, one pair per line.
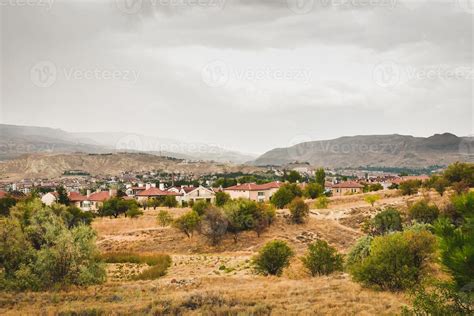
116, 206
263, 218
423, 212
5, 204
396, 261
214, 225
285, 195
273, 258
38, 251
313, 190
200, 207
375, 187
371, 199
322, 202
322, 259
409, 187
134, 212
222, 198
389, 220
170, 201
187, 223
164, 218
460, 172
299, 210
159, 263
244, 214
360, 250
72, 216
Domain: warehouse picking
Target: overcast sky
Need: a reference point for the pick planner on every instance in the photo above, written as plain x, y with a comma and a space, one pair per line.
246, 75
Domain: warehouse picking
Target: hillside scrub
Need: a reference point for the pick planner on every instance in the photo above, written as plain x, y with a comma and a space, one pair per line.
285, 194
388, 220
187, 223
159, 263
395, 261
423, 212
299, 211
38, 251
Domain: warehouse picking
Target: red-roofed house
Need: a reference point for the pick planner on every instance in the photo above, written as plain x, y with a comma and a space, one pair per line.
345, 188
253, 191
154, 193
78, 200
194, 194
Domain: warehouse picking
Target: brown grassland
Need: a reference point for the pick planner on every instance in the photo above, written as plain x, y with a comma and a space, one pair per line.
220, 280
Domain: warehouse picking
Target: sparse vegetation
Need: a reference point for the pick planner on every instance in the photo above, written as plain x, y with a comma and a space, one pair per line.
187, 223
409, 187
222, 198
388, 220
372, 198
322, 202
164, 218
159, 263
423, 212
299, 211
285, 195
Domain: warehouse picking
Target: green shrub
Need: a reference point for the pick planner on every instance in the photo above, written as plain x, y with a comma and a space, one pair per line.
299, 210
134, 212
5, 204
164, 218
322, 202
372, 198
170, 201
313, 190
322, 259
187, 223
396, 261
222, 198
360, 250
423, 212
200, 207
409, 187
38, 251
285, 195
388, 220
273, 258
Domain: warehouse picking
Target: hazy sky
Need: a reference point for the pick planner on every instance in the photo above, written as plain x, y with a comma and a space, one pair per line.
246, 75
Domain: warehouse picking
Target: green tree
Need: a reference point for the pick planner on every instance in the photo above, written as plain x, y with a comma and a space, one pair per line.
38, 251
294, 176
440, 185
200, 207
423, 212
263, 218
322, 202
116, 206
322, 259
313, 190
222, 198
72, 215
388, 220
460, 171
187, 223
299, 211
213, 225
285, 194
396, 261
5, 204
320, 177
62, 195
273, 258
170, 201
375, 187
409, 187
164, 218
372, 198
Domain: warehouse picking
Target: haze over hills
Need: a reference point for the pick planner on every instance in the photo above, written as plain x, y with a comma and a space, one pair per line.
16, 141
376, 151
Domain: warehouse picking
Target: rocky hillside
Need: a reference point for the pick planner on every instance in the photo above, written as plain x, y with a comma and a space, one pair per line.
54, 165
375, 151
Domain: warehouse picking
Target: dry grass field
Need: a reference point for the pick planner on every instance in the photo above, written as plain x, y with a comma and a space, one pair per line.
220, 280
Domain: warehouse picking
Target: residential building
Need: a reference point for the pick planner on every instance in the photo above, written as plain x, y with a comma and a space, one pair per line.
253, 191
346, 188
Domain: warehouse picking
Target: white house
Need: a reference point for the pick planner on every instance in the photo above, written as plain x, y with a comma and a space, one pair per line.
49, 198
195, 194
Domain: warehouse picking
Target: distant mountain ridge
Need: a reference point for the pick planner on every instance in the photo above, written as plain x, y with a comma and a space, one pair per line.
16, 141
375, 151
